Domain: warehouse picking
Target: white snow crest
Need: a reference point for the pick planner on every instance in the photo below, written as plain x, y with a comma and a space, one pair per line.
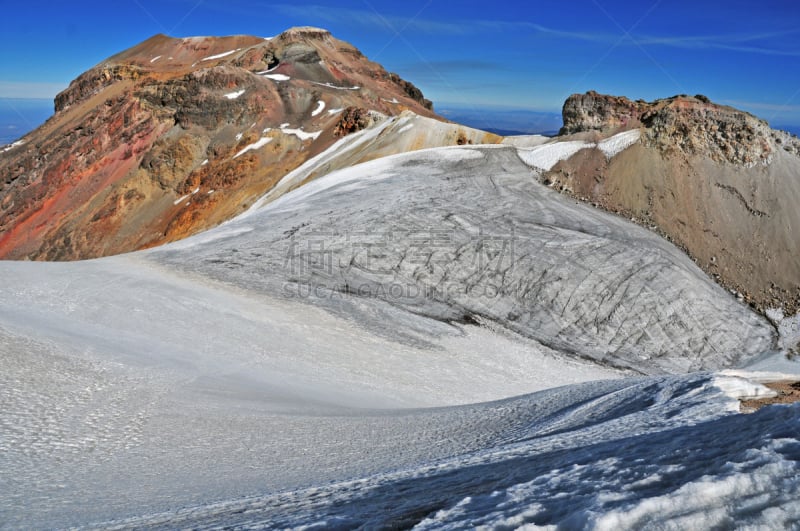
548, 155
374, 170
618, 143
740, 387
154, 59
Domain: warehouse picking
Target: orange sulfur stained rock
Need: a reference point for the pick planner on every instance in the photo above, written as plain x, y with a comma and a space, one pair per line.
216, 119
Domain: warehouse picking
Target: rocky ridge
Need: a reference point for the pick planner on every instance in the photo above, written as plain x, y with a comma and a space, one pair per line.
692, 125
718, 182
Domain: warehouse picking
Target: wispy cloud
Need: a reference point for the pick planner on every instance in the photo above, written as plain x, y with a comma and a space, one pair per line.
733, 42
369, 19
455, 66
750, 43
763, 106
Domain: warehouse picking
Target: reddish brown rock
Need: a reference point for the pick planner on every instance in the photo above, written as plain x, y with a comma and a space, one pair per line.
353, 119
150, 145
689, 124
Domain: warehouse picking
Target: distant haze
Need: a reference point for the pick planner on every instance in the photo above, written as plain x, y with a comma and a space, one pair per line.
504, 122
20, 116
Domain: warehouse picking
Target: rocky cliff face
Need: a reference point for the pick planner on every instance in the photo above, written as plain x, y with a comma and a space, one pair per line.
176, 135
599, 112
715, 180
685, 124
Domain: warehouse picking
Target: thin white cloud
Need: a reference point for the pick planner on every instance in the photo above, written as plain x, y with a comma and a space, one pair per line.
370, 19
735, 42
33, 90
742, 43
762, 106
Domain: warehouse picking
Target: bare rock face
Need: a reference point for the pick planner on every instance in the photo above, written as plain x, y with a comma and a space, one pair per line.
715, 180
174, 136
683, 124
598, 112
698, 127
353, 119
411, 91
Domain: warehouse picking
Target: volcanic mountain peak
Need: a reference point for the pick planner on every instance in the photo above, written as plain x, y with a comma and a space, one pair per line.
176, 135
307, 53
692, 125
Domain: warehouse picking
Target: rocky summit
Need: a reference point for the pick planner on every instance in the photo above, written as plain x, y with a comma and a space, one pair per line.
715, 180
690, 124
176, 135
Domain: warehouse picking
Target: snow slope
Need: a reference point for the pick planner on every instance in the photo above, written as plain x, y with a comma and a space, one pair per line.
456, 234
623, 454
116, 368
388, 136
316, 362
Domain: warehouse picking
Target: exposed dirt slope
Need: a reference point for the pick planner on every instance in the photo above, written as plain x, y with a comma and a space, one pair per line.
177, 135
718, 182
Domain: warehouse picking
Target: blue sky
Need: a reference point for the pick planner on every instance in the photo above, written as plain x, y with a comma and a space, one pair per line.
528, 55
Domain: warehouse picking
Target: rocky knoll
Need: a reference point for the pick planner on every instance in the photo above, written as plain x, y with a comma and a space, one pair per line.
717, 181
598, 112
691, 125
174, 136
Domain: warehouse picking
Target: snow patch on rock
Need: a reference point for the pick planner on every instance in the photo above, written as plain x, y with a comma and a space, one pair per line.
13, 145
258, 144
180, 200
277, 77
331, 85
220, 55
319, 109
299, 133
235, 95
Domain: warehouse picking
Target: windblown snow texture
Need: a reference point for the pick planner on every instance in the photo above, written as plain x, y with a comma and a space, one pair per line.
461, 234
279, 371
